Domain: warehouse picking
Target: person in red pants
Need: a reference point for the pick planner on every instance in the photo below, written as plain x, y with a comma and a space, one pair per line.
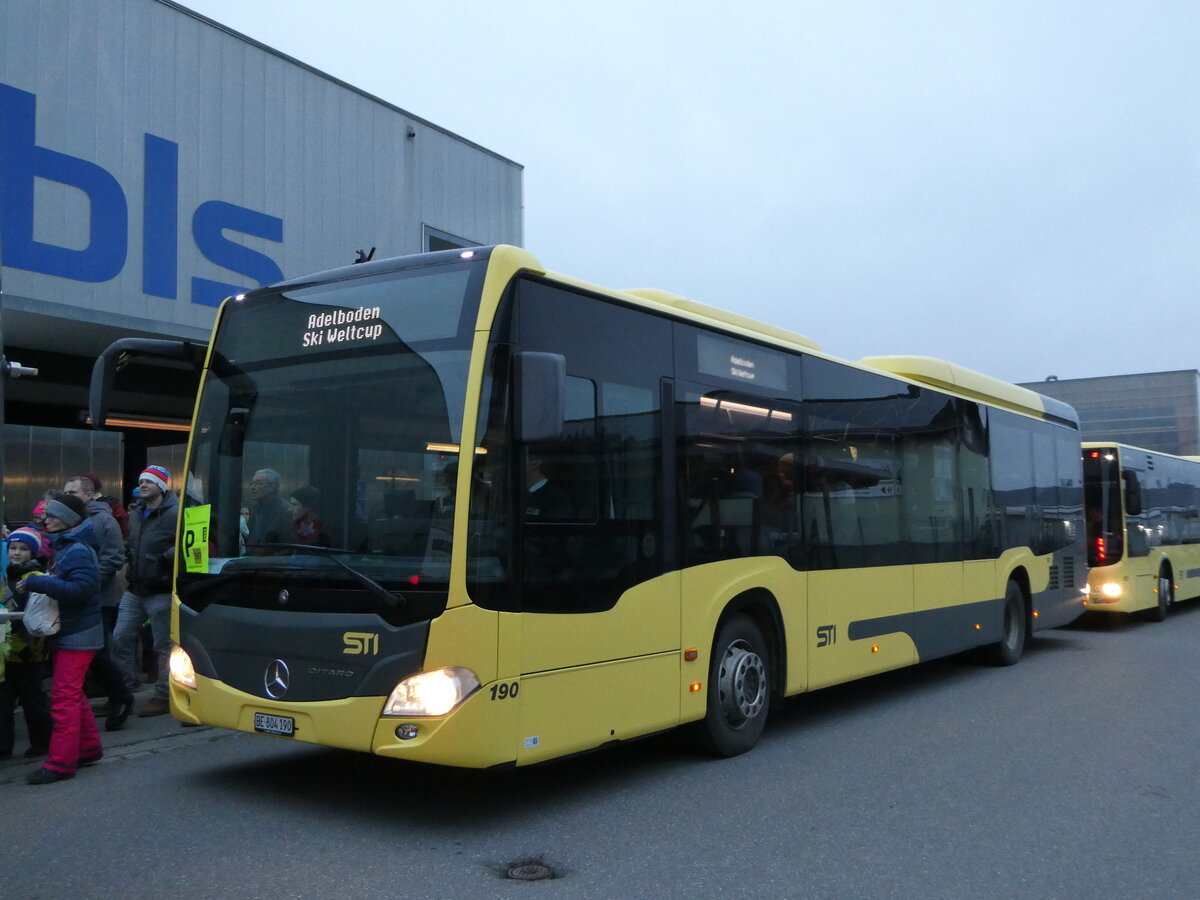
74, 582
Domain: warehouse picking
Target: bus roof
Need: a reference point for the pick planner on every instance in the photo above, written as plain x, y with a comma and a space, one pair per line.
974, 385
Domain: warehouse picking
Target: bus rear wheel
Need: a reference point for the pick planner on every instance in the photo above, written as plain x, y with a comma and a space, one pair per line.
1010, 647
739, 688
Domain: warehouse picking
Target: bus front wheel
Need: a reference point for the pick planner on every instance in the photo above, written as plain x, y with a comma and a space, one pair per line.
1166, 595
1010, 647
739, 688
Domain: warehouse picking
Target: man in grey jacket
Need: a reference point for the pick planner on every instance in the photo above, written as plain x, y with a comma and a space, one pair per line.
110, 551
151, 554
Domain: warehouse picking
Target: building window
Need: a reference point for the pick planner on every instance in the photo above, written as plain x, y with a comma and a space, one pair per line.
435, 239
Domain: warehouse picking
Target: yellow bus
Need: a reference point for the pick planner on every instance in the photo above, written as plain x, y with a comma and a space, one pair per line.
534, 517
1143, 528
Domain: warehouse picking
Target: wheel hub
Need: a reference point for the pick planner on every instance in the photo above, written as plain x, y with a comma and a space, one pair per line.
741, 684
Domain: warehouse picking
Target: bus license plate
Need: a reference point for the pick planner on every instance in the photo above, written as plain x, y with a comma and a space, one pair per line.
268, 724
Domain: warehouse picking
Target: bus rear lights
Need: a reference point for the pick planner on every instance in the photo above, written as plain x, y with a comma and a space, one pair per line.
432, 693
407, 731
182, 671
695, 687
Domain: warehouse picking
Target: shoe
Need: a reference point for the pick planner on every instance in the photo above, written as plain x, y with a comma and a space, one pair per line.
155, 706
35, 752
91, 760
47, 776
120, 711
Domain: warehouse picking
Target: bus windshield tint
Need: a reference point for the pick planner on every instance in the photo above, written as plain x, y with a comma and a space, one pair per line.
327, 437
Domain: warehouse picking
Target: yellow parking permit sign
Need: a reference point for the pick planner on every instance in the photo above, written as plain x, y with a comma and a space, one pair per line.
195, 537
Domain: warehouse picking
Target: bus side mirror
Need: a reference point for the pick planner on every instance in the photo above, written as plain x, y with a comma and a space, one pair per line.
1133, 492
540, 389
121, 353
233, 435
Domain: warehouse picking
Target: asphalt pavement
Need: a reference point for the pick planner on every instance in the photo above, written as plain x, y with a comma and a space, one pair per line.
138, 737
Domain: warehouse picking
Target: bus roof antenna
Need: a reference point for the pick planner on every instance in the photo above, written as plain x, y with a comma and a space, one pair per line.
364, 257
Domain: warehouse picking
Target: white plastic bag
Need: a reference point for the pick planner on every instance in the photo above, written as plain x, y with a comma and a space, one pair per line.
41, 615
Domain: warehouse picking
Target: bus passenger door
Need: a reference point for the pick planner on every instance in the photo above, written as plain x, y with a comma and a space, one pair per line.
599, 606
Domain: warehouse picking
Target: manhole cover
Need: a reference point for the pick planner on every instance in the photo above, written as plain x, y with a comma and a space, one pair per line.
530, 872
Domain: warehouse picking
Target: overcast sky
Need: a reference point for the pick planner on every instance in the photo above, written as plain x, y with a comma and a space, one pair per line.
1012, 185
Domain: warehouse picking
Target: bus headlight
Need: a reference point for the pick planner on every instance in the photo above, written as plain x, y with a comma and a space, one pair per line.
182, 672
1111, 589
432, 693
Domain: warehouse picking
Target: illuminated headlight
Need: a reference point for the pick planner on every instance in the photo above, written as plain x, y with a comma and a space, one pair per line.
1110, 589
431, 693
182, 672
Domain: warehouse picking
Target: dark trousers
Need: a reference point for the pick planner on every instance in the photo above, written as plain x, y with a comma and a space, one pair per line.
23, 683
103, 669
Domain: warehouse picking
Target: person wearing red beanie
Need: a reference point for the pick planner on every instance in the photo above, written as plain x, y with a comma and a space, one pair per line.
151, 551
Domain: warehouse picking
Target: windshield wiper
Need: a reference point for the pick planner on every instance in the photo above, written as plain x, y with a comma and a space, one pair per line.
378, 591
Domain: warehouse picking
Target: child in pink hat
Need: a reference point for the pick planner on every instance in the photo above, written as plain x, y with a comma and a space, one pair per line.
39, 522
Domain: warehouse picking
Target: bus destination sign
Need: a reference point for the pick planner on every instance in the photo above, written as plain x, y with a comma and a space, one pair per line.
739, 361
342, 326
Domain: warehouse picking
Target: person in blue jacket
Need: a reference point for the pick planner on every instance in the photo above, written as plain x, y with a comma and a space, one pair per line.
74, 582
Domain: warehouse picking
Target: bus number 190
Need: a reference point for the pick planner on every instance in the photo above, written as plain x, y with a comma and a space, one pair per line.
504, 691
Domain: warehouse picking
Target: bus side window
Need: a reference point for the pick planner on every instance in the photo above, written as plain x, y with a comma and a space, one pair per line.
1133, 492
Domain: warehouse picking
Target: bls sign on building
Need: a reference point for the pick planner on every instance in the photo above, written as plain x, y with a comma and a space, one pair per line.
153, 162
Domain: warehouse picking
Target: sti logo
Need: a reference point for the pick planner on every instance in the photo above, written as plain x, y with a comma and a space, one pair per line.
22, 160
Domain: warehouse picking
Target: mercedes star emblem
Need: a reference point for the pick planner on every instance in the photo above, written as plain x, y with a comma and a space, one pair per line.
276, 679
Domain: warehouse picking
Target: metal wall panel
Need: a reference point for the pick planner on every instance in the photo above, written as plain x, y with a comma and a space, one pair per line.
41, 459
269, 138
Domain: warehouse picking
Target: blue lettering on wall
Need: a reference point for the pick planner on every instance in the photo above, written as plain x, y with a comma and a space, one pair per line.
160, 218
22, 160
207, 223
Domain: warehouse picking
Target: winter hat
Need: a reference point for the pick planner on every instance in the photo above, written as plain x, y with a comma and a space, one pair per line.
67, 508
29, 536
156, 475
40, 509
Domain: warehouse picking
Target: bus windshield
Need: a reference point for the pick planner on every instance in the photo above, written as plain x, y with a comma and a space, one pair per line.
326, 441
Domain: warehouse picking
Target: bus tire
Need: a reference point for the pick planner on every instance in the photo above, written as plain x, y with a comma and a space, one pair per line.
1166, 596
1008, 650
739, 688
